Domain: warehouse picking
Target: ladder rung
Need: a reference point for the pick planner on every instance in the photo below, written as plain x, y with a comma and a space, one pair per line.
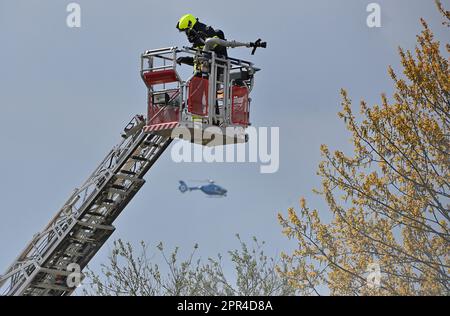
126, 177
131, 173
121, 192
108, 201
119, 187
52, 287
139, 158
95, 214
96, 226
153, 144
54, 271
84, 240
76, 243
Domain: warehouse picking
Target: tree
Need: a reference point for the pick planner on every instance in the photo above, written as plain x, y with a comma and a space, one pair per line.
389, 200
128, 273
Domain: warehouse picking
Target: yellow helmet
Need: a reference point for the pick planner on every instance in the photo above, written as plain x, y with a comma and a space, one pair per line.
187, 21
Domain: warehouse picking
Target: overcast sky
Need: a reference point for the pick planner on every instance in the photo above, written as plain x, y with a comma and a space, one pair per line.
66, 93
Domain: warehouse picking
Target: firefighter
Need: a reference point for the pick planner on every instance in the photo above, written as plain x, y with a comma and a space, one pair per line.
197, 33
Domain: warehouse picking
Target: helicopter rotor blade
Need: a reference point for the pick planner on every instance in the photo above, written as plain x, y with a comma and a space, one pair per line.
201, 181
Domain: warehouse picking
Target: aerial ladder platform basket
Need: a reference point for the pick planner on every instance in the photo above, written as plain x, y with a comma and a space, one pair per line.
214, 101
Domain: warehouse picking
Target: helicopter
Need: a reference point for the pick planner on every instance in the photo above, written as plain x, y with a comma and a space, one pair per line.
211, 189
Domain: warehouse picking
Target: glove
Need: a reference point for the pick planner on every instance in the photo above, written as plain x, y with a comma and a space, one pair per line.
192, 36
185, 60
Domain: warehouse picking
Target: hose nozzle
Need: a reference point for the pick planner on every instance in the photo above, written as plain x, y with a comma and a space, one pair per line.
257, 44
